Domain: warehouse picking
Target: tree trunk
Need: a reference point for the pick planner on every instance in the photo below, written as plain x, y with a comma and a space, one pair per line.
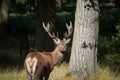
45, 13
4, 10
83, 60
59, 4
117, 3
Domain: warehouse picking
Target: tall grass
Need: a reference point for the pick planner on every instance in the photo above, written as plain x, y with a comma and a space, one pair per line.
59, 73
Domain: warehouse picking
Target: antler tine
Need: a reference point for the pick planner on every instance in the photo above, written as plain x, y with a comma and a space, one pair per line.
57, 35
69, 29
47, 29
44, 26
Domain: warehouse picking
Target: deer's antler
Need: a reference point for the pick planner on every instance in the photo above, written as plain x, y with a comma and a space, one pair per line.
69, 30
48, 30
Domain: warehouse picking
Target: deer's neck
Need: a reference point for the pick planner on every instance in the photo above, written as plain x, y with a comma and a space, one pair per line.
57, 56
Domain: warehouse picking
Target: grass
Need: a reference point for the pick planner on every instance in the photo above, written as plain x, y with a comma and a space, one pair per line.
12, 74
59, 73
105, 73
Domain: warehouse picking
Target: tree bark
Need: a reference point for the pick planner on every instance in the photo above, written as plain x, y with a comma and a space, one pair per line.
4, 10
83, 60
45, 13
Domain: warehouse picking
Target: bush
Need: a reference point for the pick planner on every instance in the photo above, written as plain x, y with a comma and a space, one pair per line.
109, 38
108, 49
109, 18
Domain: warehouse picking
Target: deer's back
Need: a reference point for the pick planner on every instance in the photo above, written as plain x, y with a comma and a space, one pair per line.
44, 62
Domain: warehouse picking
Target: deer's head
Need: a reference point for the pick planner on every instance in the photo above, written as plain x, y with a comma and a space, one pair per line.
61, 43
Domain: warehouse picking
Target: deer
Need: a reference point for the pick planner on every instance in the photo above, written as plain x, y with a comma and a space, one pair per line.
39, 65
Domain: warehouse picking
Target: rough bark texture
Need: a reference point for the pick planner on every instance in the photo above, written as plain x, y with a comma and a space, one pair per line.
83, 60
45, 13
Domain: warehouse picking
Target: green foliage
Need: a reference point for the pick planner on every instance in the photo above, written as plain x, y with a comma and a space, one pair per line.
109, 38
69, 7
109, 51
19, 23
113, 59
109, 17
20, 1
118, 33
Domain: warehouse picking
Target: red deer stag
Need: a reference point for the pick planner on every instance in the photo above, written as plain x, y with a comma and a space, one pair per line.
39, 65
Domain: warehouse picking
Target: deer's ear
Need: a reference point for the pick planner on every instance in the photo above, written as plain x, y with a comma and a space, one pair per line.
67, 41
56, 41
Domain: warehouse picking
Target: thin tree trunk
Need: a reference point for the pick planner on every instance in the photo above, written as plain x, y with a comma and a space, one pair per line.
4, 10
59, 4
45, 13
117, 3
83, 60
